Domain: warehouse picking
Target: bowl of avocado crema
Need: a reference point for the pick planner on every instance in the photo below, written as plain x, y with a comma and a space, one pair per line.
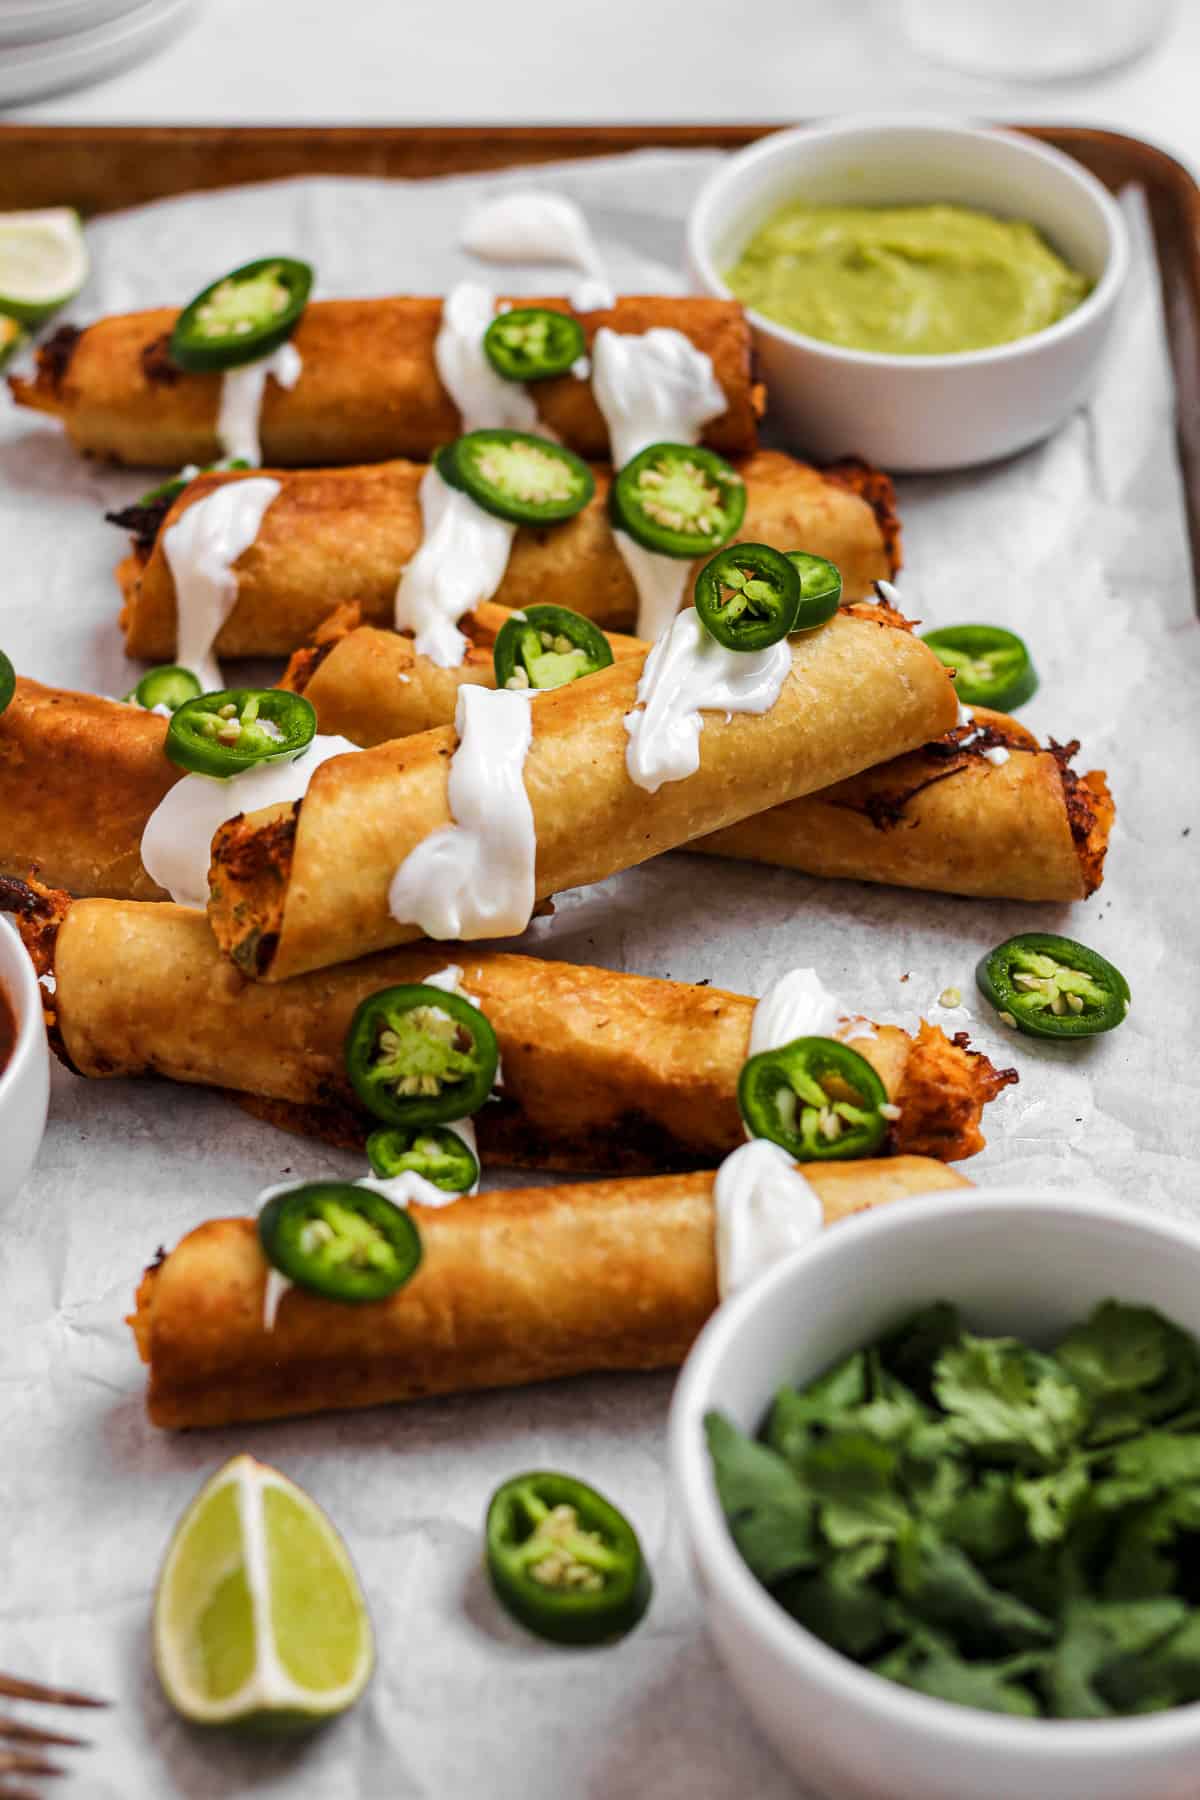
926, 295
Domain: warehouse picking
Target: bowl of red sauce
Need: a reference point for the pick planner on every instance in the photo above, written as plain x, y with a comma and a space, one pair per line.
24, 1064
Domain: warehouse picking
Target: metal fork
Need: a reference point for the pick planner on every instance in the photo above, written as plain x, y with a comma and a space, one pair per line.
26, 1758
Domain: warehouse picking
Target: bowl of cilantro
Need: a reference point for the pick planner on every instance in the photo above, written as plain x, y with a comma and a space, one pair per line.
940, 1478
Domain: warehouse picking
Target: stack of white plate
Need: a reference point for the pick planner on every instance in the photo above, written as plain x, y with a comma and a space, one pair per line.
49, 44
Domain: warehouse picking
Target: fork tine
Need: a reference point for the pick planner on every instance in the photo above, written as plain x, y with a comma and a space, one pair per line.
18, 1733
29, 1690
15, 1762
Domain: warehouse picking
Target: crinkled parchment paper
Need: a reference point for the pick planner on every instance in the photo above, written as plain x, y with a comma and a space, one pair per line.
1078, 545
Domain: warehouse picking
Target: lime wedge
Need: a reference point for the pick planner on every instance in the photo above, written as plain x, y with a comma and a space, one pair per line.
43, 262
259, 1620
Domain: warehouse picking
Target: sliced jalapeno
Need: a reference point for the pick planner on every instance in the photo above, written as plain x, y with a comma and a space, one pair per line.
233, 729
547, 648
820, 589
1051, 986
167, 686
564, 1561
992, 666
245, 315
417, 1055
8, 681
531, 343
517, 476
434, 1151
340, 1240
747, 596
817, 1097
678, 499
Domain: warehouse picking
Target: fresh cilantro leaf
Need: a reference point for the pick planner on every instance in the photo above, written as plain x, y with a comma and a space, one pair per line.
1010, 1402
769, 1514
944, 1588
840, 1605
912, 1349
1052, 1501
1134, 1365
853, 1479
1150, 1680
933, 1667
986, 1521
934, 1473
822, 1405
1096, 1635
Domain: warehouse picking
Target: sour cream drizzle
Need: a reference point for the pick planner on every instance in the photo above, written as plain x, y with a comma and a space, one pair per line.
242, 393
996, 754
687, 673
656, 388
176, 843
461, 562
531, 225
765, 1209
201, 549
475, 878
800, 1005
482, 397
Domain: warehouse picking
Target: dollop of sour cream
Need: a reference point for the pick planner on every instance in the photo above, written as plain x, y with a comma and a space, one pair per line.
800, 1005
460, 563
475, 878
765, 1209
177, 840
242, 393
686, 674
482, 397
532, 225
651, 389
201, 548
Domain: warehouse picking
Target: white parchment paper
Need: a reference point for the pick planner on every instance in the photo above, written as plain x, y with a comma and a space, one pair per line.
1078, 545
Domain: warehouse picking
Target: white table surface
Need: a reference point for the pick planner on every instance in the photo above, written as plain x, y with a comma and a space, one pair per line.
426, 61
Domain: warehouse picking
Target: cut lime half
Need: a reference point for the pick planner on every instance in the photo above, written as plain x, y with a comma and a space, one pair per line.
259, 1620
43, 262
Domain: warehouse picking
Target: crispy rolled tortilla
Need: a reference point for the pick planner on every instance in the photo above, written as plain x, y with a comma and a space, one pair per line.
80, 776
944, 817
368, 388
514, 1287
601, 1070
299, 886
337, 535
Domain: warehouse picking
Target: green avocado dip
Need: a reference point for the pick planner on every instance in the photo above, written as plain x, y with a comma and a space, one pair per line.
907, 280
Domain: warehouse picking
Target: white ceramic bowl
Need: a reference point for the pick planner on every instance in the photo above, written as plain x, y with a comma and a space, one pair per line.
1024, 1263
919, 412
25, 1082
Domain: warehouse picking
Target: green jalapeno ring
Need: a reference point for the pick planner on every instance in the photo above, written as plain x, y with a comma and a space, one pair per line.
820, 588
1052, 987
517, 476
168, 685
547, 648
747, 596
992, 666
222, 733
817, 1098
242, 316
432, 1151
416, 1055
678, 499
8, 681
564, 1561
340, 1240
533, 343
